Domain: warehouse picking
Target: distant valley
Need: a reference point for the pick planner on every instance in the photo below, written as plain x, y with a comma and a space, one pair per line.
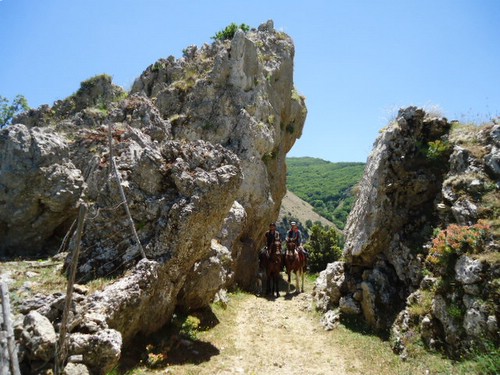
328, 187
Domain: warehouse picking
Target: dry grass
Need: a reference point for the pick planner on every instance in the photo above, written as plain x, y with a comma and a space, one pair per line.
424, 304
295, 207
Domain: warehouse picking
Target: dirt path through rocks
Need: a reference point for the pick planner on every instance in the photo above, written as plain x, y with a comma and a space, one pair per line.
281, 336
258, 335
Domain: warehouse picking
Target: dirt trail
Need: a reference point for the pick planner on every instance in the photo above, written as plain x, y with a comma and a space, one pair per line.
280, 336
258, 335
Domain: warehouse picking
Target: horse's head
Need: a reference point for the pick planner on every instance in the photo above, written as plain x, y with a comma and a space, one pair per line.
276, 247
290, 246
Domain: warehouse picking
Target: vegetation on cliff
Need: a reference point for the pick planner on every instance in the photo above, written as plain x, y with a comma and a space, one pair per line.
8, 111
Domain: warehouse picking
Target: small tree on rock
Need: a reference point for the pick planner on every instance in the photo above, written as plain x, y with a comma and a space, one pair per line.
8, 111
229, 31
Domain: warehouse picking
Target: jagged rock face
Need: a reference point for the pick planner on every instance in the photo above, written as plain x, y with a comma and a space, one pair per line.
394, 215
179, 192
39, 190
239, 94
397, 191
422, 175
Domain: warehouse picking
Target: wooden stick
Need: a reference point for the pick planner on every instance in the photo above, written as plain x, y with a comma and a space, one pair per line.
122, 193
61, 347
11, 343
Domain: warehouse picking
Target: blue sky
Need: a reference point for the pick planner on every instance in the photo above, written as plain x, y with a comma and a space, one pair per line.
356, 62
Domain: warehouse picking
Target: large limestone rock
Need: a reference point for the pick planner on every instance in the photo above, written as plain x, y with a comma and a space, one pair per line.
393, 216
239, 94
181, 193
398, 188
205, 278
199, 146
423, 176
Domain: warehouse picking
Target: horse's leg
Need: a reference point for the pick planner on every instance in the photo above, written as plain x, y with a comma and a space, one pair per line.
271, 277
277, 284
302, 273
289, 281
297, 285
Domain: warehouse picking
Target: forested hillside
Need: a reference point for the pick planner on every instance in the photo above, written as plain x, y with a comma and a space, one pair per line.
327, 186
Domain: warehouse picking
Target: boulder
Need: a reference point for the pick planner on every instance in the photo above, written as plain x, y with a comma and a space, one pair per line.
349, 306
330, 320
101, 350
451, 326
328, 287
206, 278
38, 337
76, 369
468, 271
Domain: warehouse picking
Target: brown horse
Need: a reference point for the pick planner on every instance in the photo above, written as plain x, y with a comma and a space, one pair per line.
295, 261
270, 260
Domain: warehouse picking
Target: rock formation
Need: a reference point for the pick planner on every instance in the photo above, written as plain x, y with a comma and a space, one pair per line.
426, 178
199, 145
257, 114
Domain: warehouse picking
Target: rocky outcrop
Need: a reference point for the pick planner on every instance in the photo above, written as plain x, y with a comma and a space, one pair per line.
199, 146
238, 94
427, 206
40, 188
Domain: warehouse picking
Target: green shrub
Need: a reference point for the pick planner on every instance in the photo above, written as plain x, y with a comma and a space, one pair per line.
190, 327
484, 360
437, 149
229, 31
455, 311
323, 247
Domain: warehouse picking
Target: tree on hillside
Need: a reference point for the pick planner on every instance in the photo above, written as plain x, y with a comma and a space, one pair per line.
323, 247
8, 111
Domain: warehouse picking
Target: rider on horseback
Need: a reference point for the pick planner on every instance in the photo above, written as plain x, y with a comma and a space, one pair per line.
272, 235
294, 235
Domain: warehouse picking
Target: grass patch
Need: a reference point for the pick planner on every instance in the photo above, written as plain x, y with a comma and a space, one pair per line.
312, 277
423, 305
489, 257
32, 277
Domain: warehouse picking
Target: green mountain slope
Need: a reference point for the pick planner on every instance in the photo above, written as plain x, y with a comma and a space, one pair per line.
325, 185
